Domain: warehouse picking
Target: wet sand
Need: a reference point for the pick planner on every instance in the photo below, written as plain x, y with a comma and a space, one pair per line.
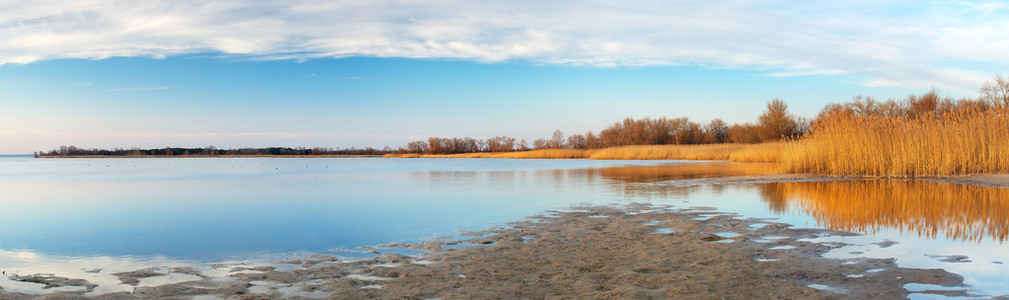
633, 252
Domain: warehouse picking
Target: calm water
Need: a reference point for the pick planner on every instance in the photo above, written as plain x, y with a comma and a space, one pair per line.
64, 216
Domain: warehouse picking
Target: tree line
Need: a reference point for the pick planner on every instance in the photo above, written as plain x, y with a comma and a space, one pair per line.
773, 124
209, 151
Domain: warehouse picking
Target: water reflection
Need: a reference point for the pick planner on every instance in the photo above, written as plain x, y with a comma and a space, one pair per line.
634, 182
685, 171
930, 209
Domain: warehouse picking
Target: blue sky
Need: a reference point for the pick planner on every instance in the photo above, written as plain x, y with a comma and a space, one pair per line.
374, 73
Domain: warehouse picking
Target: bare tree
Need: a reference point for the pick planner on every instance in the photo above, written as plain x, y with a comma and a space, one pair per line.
577, 141
523, 145
775, 122
996, 91
540, 144
717, 131
556, 140
501, 144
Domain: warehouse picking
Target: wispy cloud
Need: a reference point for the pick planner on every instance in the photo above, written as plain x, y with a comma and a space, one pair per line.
880, 43
138, 89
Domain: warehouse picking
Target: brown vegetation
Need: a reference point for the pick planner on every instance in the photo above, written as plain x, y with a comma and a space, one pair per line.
691, 152
921, 136
774, 124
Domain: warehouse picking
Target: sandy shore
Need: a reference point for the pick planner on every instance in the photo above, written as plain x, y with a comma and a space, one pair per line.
634, 252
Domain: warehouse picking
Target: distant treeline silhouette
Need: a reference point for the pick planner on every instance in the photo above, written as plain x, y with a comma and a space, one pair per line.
774, 123
209, 151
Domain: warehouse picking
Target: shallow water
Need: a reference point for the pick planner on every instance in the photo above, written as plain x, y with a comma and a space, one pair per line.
68, 216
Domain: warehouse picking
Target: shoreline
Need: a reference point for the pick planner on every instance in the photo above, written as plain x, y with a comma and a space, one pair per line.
205, 156
629, 251
990, 180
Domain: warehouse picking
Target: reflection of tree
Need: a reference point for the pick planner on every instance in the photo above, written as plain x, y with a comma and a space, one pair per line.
961, 212
775, 196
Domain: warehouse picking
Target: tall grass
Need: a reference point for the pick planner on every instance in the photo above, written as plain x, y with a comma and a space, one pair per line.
538, 154
690, 152
964, 141
766, 152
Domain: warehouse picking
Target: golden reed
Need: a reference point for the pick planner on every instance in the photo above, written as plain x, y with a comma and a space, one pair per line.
958, 142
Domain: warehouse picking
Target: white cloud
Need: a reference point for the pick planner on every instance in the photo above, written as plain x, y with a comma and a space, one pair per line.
899, 43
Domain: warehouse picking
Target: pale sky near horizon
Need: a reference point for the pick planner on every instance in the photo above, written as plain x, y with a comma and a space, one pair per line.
106, 74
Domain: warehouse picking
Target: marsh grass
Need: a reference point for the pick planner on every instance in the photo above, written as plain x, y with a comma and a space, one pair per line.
534, 154
958, 142
769, 152
688, 152
766, 152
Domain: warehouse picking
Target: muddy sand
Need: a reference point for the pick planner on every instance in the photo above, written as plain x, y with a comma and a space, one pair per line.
633, 252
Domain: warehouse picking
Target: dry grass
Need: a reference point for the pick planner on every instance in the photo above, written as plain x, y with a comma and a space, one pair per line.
549, 153
764, 152
643, 152
689, 152
534, 154
957, 211
404, 155
960, 142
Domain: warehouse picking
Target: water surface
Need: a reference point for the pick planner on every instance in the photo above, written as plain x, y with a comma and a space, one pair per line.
67, 216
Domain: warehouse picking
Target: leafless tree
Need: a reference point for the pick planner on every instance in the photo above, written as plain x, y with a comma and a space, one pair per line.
556, 140
776, 122
717, 131
996, 91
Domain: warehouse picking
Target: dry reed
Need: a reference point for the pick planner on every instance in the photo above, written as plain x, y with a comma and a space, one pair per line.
958, 142
688, 152
764, 152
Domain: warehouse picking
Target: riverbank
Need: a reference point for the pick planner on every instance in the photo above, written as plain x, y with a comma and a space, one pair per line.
206, 156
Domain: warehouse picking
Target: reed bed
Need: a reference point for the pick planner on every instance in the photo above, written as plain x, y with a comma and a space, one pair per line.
549, 154
931, 209
755, 153
769, 152
958, 142
688, 152
534, 154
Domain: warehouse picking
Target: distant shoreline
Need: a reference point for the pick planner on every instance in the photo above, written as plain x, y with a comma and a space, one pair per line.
204, 156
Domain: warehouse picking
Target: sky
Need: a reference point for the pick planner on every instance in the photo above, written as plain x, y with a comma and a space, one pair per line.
151, 74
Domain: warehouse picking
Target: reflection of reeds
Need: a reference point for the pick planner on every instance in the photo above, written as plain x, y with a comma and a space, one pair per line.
957, 142
961, 212
686, 171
